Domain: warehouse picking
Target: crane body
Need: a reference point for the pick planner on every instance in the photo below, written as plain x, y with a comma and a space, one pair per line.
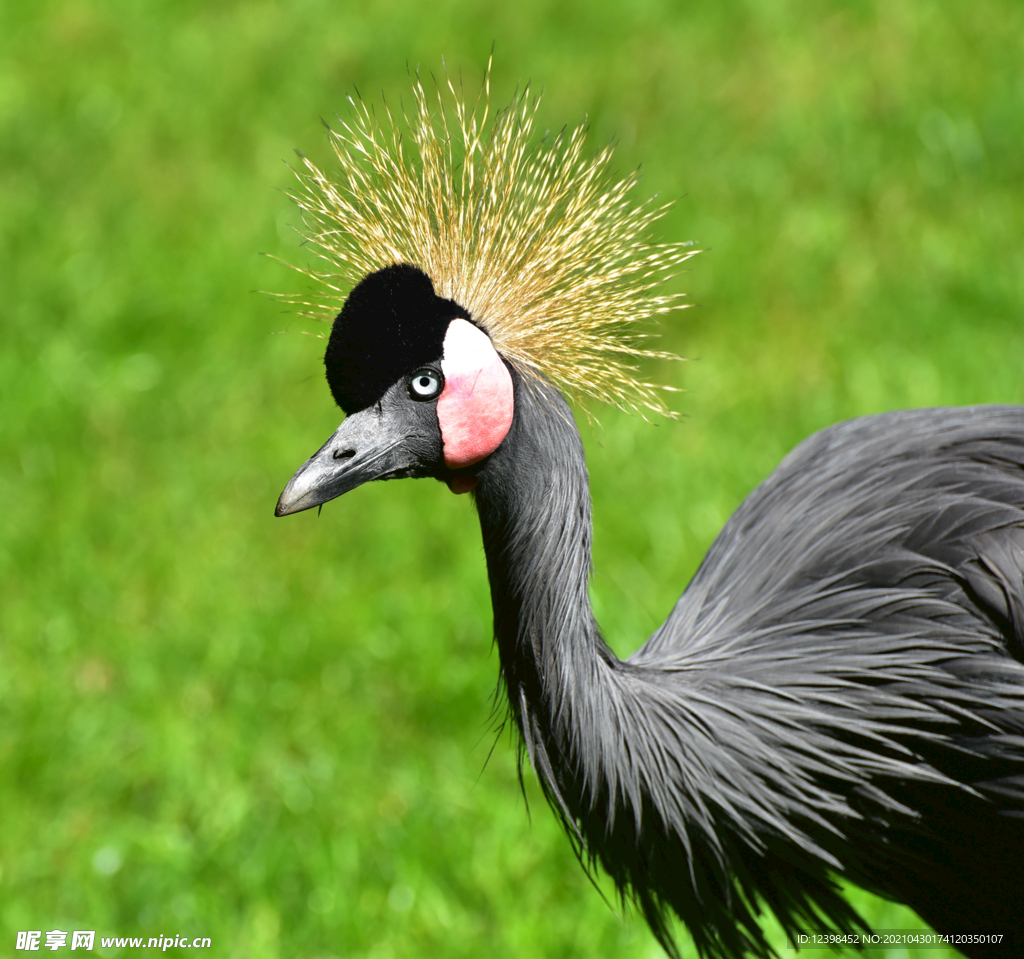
838, 693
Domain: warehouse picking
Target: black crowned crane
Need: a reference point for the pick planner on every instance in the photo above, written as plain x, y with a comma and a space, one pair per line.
839, 692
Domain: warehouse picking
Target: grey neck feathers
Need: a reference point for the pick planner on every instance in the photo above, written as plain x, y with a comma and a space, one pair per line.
587, 719
534, 506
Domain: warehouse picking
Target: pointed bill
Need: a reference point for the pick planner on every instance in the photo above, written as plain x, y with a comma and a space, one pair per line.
369, 445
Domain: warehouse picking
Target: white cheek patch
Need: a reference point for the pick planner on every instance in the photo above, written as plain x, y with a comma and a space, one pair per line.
474, 410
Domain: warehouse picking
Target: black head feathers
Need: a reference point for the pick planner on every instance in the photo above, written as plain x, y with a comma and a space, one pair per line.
391, 324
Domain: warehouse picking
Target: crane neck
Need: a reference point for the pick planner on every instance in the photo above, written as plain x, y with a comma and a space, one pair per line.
533, 499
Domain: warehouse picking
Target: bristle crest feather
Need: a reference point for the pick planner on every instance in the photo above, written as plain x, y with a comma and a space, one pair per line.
540, 243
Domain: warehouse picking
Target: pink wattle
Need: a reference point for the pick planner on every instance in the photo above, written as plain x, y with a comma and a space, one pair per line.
474, 410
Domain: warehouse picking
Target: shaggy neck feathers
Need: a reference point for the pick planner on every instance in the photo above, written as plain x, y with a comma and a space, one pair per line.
534, 506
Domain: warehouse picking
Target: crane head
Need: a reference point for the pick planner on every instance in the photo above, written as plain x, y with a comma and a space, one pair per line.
531, 260
423, 390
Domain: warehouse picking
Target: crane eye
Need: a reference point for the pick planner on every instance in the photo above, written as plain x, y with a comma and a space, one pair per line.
425, 384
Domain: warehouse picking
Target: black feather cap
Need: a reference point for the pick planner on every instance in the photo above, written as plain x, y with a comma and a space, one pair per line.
391, 324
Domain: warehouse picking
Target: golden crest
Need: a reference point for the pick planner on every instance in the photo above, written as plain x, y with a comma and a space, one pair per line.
543, 246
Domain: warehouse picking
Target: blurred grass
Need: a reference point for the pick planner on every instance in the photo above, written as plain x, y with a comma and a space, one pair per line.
273, 732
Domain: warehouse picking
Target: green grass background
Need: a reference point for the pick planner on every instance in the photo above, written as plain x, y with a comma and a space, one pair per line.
274, 732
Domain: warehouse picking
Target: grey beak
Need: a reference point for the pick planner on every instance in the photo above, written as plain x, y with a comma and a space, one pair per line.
367, 446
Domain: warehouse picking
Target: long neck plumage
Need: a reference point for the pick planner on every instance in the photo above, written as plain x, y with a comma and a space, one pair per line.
581, 711
534, 506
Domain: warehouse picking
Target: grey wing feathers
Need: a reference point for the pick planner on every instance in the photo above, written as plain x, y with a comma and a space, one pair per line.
867, 519
858, 625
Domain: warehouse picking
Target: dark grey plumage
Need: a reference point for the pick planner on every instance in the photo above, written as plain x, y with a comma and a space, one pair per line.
839, 691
